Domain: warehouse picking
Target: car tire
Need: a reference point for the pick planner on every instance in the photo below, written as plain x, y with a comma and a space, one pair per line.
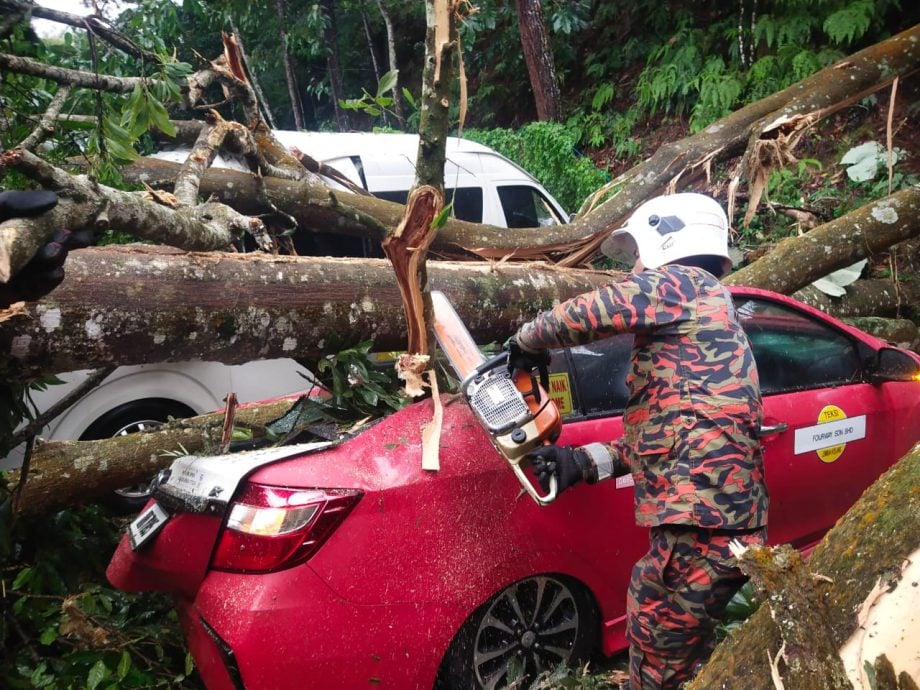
137, 415
561, 625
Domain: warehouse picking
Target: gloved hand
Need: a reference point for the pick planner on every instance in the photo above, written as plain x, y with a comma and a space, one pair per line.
526, 360
45, 271
568, 464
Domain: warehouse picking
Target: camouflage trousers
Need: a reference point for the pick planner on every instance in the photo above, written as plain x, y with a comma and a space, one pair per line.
677, 595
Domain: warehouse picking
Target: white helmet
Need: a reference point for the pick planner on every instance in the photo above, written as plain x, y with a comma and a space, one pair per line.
668, 228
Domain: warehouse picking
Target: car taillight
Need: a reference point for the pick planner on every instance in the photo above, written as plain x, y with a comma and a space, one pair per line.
272, 527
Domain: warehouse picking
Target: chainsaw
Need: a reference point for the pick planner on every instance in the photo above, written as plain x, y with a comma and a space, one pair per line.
516, 411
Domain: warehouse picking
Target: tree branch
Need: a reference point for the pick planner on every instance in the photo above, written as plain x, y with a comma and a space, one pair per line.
73, 77
45, 127
99, 27
200, 228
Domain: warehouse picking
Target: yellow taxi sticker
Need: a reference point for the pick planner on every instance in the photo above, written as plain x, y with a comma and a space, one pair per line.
561, 392
829, 437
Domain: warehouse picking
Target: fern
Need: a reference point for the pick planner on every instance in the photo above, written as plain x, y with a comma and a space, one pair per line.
851, 23
602, 96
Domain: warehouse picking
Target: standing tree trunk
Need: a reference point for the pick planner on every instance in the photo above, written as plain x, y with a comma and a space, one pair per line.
293, 91
334, 67
539, 57
370, 44
391, 57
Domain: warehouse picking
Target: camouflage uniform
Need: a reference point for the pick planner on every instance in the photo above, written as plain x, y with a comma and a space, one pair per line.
690, 442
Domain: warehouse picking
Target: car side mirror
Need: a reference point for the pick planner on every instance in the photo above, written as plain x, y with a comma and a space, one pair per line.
893, 365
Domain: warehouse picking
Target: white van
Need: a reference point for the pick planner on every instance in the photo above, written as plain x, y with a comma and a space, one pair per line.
485, 187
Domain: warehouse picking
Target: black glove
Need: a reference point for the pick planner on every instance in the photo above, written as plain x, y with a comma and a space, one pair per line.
45, 270
569, 465
519, 358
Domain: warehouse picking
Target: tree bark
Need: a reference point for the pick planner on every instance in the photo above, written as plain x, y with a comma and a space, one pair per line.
866, 548
87, 205
130, 305
538, 55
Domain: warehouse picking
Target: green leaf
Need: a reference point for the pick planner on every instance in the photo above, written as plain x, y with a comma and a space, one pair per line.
189, 664
409, 97
96, 675
369, 396
22, 577
440, 220
160, 117
120, 152
387, 82
48, 635
114, 131
124, 665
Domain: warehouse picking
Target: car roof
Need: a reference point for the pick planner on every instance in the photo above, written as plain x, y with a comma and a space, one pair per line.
326, 145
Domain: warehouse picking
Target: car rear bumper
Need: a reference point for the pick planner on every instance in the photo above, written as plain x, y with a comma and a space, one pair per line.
260, 632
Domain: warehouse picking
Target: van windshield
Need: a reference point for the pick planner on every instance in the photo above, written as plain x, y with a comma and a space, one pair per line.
526, 207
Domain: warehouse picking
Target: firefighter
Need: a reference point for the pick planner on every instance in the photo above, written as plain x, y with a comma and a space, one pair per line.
45, 270
690, 426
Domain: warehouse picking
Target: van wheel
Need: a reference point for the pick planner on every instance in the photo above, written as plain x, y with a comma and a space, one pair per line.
529, 627
131, 417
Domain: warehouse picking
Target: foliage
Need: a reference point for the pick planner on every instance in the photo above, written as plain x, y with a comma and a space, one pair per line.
701, 63
16, 407
564, 677
741, 607
62, 629
379, 103
355, 382
549, 152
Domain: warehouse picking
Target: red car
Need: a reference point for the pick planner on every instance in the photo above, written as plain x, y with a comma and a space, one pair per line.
350, 566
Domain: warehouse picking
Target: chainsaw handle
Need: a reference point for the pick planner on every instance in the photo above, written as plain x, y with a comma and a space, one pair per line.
541, 499
493, 362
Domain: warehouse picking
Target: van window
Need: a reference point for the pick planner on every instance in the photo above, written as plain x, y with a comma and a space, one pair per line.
526, 207
467, 201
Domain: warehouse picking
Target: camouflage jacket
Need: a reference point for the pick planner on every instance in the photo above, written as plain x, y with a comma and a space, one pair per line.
694, 408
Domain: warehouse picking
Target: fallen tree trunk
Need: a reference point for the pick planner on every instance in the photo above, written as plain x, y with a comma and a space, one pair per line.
860, 563
798, 261
63, 473
133, 305
873, 297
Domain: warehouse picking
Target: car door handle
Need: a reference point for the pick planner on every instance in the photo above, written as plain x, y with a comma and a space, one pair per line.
773, 429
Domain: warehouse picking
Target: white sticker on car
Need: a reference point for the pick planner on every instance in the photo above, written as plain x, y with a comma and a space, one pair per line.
829, 437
